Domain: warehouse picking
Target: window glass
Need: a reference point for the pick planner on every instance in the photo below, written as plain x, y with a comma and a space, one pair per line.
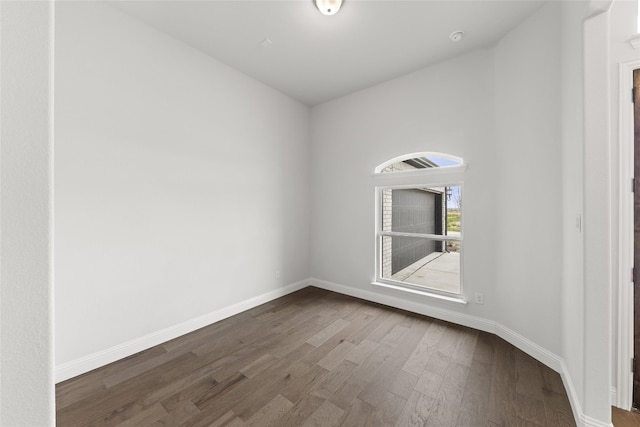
422, 263
419, 230
423, 162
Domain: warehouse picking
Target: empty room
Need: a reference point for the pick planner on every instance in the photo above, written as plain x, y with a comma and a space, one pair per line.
319, 213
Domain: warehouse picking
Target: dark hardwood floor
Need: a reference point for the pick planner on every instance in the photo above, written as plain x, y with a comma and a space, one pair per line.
317, 358
622, 418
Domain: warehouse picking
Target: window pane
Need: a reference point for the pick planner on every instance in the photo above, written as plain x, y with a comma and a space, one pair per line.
433, 264
453, 207
426, 162
422, 210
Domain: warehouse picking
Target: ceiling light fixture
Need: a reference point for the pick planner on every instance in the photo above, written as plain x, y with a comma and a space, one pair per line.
328, 7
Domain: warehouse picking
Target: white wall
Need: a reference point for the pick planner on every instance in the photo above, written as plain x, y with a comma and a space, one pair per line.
529, 182
445, 108
181, 184
26, 351
597, 220
513, 188
572, 195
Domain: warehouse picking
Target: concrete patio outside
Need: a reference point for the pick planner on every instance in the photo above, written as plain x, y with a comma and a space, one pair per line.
438, 270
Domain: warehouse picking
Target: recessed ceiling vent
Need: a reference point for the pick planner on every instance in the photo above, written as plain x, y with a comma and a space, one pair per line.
456, 36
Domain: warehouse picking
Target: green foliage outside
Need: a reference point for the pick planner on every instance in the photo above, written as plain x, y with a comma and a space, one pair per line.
453, 220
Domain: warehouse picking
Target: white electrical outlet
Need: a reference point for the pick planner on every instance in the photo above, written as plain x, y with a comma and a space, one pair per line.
479, 298
278, 275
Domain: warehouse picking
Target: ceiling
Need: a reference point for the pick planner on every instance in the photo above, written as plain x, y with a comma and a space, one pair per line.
314, 58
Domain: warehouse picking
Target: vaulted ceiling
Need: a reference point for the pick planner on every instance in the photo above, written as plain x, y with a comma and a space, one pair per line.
292, 47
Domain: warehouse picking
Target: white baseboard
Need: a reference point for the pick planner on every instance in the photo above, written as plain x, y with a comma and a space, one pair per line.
572, 395
85, 364
413, 306
582, 420
534, 350
586, 421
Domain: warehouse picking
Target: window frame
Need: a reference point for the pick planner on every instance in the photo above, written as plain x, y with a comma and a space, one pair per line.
449, 176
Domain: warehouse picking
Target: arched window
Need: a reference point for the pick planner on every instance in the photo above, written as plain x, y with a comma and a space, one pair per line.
419, 161
419, 224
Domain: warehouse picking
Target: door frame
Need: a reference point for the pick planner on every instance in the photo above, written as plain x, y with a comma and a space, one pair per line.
624, 383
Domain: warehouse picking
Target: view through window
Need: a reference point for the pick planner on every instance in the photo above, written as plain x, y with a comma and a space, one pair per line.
420, 230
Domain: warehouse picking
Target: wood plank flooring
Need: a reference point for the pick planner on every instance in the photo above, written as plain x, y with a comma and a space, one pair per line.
622, 418
317, 358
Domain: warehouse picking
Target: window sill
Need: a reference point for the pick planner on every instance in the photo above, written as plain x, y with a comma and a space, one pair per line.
425, 293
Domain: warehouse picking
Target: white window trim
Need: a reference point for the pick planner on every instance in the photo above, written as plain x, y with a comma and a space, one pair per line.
423, 292
447, 176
